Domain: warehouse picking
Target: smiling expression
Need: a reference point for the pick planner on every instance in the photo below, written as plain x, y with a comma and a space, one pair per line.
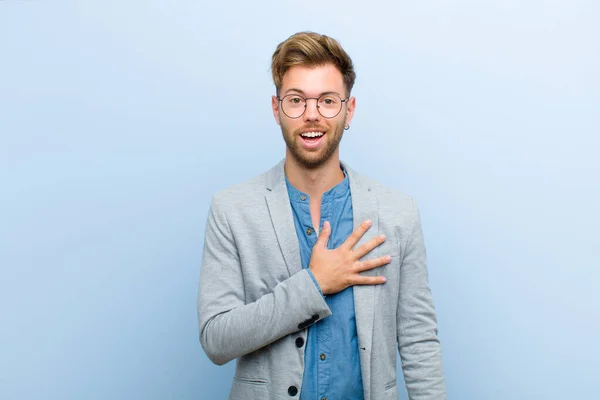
311, 139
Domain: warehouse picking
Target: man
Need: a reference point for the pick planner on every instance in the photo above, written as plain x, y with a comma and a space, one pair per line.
313, 275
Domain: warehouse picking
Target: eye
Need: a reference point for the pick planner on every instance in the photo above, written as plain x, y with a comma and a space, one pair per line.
329, 100
295, 100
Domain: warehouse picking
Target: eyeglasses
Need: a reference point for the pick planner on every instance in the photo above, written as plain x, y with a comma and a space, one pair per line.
328, 105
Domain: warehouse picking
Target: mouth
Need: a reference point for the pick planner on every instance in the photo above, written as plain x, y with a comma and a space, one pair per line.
312, 139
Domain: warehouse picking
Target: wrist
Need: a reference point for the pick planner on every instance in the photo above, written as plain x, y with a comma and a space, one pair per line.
315, 281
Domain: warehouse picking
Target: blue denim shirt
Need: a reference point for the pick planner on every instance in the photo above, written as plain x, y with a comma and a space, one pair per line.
331, 358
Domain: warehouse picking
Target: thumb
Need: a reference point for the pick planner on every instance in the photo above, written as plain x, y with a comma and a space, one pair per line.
324, 235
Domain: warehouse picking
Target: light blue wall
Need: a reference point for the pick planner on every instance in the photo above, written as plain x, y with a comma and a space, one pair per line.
120, 119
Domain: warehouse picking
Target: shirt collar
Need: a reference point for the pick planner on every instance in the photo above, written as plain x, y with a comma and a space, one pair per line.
339, 190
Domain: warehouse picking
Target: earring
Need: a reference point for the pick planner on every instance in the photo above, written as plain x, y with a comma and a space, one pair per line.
347, 127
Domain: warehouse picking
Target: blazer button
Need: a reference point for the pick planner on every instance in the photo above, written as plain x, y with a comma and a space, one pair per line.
299, 342
292, 390
315, 317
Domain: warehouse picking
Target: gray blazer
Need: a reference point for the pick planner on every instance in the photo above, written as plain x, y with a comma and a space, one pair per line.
255, 299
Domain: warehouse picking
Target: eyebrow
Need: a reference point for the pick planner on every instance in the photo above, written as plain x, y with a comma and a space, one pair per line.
302, 92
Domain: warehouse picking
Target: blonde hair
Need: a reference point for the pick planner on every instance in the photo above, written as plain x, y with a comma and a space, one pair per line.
311, 49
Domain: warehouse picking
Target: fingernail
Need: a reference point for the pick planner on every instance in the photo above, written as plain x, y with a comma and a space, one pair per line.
369, 222
383, 279
382, 236
388, 258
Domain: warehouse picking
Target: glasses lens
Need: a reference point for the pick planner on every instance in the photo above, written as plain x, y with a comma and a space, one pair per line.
293, 105
330, 105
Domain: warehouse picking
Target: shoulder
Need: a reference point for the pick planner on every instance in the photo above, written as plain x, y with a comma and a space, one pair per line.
251, 193
240, 194
384, 194
393, 204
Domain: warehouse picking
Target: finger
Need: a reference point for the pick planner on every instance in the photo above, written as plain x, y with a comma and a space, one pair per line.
369, 246
357, 234
324, 235
370, 264
368, 280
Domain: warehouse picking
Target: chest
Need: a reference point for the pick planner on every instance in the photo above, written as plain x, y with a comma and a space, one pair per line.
309, 218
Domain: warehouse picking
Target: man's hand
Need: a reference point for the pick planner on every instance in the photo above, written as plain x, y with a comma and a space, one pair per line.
337, 269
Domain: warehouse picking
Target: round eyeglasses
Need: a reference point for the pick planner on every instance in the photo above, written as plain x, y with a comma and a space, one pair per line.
328, 105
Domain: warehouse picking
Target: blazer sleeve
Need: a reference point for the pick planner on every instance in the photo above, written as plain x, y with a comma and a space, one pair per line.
418, 343
228, 326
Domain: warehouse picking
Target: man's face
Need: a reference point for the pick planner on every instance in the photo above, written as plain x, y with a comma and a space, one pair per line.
312, 82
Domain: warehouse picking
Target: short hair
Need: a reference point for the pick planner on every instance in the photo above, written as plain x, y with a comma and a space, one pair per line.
311, 49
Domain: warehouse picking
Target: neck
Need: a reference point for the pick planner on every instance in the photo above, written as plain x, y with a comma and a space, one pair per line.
314, 182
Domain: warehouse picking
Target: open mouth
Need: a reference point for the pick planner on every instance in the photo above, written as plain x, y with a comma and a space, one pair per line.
312, 139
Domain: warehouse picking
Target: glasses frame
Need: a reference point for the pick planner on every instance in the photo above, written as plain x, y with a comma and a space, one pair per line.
342, 101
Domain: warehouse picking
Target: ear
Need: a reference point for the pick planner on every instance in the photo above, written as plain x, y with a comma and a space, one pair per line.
350, 109
275, 107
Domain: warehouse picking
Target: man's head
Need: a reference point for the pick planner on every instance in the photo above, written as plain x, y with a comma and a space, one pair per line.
313, 78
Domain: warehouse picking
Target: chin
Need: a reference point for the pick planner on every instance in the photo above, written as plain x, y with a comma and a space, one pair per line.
312, 160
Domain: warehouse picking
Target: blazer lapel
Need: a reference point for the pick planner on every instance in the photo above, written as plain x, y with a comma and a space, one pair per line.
364, 206
282, 219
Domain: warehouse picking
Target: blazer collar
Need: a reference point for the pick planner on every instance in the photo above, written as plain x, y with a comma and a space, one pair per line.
276, 177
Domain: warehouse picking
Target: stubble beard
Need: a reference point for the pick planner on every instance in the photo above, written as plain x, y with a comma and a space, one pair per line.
313, 159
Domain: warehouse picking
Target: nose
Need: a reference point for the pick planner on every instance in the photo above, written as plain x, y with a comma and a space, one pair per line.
311, 113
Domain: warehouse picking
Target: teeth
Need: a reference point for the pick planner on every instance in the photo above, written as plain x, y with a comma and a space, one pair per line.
312, 134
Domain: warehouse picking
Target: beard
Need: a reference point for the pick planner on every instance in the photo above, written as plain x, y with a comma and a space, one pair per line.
311, 159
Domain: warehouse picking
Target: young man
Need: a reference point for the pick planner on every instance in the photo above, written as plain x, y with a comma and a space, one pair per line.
313, 275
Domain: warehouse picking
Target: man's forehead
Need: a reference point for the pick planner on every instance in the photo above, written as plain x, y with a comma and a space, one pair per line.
313, 80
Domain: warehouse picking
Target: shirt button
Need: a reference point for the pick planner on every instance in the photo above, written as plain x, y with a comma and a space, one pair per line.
292, 391
309, 231
303, 197
299, 342
322, 356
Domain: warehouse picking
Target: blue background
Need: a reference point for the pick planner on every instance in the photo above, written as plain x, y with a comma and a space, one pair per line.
120, 119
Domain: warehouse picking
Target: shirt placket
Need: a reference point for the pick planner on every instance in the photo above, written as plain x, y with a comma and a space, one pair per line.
324, 334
